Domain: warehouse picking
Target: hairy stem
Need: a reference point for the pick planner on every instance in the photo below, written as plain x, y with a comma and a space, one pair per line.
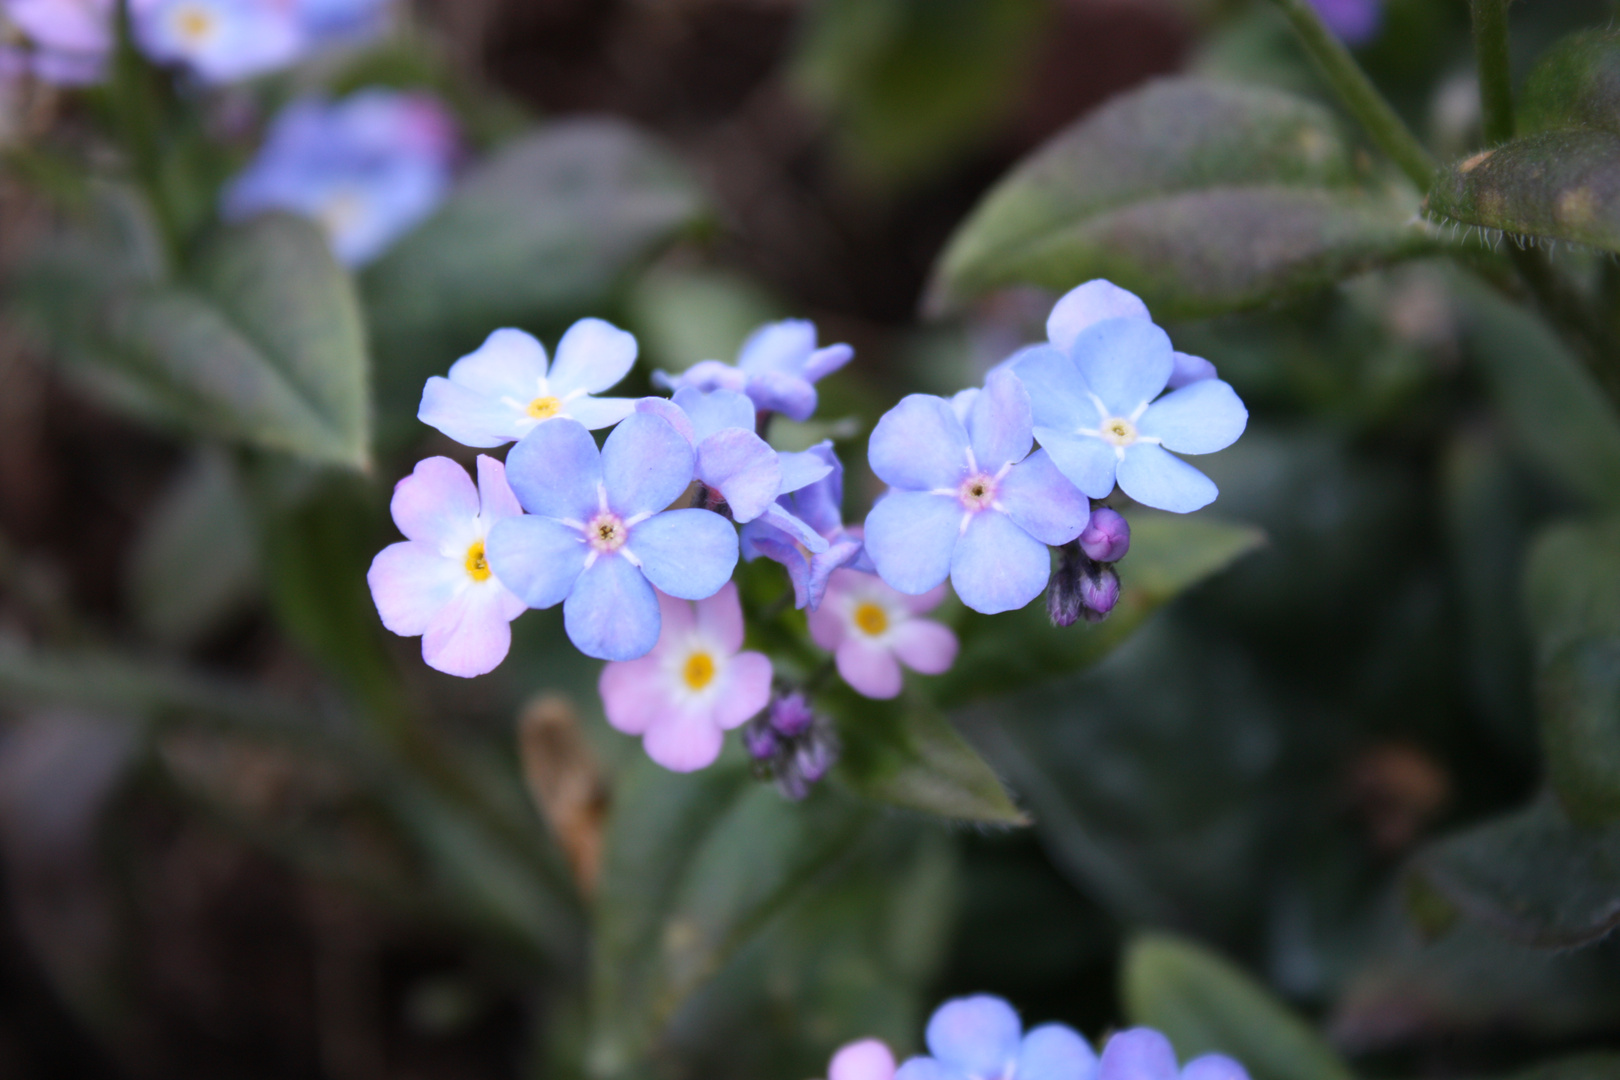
1495, 77
1358, 94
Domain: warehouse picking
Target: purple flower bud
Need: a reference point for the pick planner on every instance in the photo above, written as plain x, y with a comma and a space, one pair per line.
1099, 591
760, 739
1063, 600
791, 715
1107, 536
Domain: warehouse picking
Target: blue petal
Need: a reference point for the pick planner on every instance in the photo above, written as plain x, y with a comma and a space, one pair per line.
535, 557
715, 410
600, 412
924, 1068
821, 505
1086, 460
556, 471
1086, 305
469, 418
803, 469
839, 555
1058, 397
1041, 500
910, 536
1155, 477
1125, 362
779, 346
777, 391
671, 413
919, 445
998, 422
997, 566
612, 614
975, 1035
1213, 1067
646, 464
1188, 370
1056, 1052
743, 468
1138, 1054
796, 529
510, 363
824, 362
592, 356
689, 553
1201, 418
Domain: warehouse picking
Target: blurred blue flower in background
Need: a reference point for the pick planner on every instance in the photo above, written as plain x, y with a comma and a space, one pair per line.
981, 1038
1356, 21
368, 168
1144, 1054
220, 40
335, 20
68, 40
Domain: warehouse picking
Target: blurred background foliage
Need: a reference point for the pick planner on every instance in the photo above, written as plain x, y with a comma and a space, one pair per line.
1291, 801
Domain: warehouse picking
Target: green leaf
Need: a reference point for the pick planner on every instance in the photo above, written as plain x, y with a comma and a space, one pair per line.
1204, 1004
694, 868
1575, 83
196, 558
1572, 584
1581, 1067
1559, 185
1580, 729
904, 752
1533, 875
540, 232
1199, 196
259, 342
1169, 554
1555, 410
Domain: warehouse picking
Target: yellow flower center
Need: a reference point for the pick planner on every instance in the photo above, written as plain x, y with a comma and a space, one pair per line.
871, 618
606, 533
477, 565
194, 23
544, 408
977, 491
1119, 431
699, 671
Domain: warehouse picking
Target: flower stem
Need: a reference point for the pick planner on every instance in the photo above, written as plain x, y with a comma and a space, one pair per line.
1358, 93
1495, 77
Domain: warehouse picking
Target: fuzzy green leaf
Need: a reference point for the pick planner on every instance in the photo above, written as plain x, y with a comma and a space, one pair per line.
1558, 185
1580, 729
1575, 83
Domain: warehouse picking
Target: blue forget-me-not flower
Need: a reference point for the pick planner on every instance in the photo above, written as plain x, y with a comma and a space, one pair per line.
969, 501
981, 1038
1095, 395
598, 536
819, 506
506, 388
220, 40
777, 368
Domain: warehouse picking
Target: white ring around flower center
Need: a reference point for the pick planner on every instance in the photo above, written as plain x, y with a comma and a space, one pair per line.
606, 532
1118, 431
977, 491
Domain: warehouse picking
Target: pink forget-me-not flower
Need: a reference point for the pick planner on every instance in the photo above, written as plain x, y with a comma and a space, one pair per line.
871, 629
505, 389
368, 169
819, 507
693, 687
1093, 392
777, 368
867, 1059
969, 501
598, 535
438, 582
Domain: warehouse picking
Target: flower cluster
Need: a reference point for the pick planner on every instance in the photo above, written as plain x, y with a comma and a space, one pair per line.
637, 537
367, 168
218, 41
981, 1038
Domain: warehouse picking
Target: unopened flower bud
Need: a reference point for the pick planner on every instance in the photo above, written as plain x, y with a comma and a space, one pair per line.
1107, 536
1063, 600
1099, 591
791, 715
760, 739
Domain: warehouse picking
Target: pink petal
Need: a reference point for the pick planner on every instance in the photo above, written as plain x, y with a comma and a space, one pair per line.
684, 740
494, 493
410, 583
721, 617
677, 621
869, 1059
923, 602
436, 504
749, 690
924, 645
470, 635
633, 694
829, 622
872, 671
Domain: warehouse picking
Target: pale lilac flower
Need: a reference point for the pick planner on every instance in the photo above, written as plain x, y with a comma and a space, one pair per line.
872, 628
341, 20
1093, 394
1107, 536
819, 507
981, 1038
777, 368
220, 40
736, 463
969, 501
1356, 21
505, 389
1144, 1054
368, 169
693, 687
869, 1059
69, 40
597, 536
438, 582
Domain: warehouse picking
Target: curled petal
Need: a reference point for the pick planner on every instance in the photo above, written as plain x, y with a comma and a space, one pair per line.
1125, 362
919, 445
800, 532
1198, 419
910, 536
779, 391
1086, 305
803, 469
997, 566
1155, 477
824, 362
778, 346
612, 613
592, 356
470, 636
704, 375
